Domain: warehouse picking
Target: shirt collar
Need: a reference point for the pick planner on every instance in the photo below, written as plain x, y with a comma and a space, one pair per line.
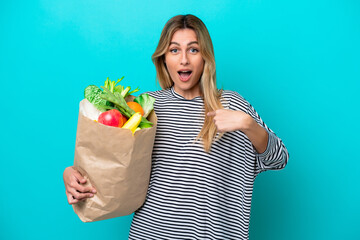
177, 95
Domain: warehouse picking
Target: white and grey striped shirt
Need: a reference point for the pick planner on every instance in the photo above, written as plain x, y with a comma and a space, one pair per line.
194, 194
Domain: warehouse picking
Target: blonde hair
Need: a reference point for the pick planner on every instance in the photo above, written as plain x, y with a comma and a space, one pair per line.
211, 95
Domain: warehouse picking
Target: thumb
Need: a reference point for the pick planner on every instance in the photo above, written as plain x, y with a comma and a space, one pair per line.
79, 177
211, 114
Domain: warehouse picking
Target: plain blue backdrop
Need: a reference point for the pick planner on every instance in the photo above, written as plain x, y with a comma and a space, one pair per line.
297, 62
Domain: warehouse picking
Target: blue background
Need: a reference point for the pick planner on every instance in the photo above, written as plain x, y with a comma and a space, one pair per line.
297, 62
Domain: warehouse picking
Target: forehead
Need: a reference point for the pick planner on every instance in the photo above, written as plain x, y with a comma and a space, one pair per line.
184, 36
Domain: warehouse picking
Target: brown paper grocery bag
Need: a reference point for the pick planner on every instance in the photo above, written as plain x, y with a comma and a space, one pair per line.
117, 164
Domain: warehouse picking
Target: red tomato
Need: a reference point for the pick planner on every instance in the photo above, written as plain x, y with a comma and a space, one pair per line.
111, 118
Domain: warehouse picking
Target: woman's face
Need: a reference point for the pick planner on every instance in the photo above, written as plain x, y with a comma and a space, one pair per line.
184, 63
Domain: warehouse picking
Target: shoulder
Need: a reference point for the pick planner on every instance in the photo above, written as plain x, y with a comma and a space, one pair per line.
235, 100
160, 94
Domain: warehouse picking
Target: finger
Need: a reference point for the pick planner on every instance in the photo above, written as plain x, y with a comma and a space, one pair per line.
220, 130
79, 195
82, 189
211, 114
86, 189
79, 177
71, 199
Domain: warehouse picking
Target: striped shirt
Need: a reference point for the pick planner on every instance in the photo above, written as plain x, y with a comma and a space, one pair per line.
197, 195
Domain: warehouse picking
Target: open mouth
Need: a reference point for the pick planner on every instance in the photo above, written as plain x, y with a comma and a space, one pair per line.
184, 75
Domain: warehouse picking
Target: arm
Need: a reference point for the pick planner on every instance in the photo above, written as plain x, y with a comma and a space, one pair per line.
257, 135
270, 152
275, 155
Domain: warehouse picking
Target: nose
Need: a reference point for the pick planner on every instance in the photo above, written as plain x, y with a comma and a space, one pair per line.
184, 59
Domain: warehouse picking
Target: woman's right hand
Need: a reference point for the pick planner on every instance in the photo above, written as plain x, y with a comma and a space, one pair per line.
73, 181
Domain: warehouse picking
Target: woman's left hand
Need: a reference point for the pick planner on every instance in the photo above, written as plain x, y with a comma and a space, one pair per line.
229, 120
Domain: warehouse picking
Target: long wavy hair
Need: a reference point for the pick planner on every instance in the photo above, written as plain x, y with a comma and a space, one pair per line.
209, 92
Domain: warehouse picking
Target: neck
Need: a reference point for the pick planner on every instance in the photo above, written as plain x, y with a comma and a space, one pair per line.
188, 93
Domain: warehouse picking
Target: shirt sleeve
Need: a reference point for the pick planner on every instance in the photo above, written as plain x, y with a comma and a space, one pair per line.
275, 156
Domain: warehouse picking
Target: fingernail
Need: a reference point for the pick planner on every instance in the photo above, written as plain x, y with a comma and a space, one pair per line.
93, 191
91, 195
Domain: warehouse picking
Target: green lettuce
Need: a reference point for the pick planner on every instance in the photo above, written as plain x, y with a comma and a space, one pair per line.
93, 94
146, 102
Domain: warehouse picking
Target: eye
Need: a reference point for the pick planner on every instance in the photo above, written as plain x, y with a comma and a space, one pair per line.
174, 50
194, 50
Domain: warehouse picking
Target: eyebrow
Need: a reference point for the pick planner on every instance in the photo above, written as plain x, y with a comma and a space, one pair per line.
187, 44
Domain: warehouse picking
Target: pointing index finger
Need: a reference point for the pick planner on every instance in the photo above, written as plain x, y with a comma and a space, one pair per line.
211, 114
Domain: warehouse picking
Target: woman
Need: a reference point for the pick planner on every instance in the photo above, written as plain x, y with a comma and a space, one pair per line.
209, 146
